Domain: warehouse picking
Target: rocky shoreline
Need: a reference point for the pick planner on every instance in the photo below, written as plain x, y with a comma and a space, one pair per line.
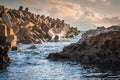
101, 45
22, 26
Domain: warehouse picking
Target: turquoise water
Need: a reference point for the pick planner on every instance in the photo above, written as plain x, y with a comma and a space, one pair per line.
33, 65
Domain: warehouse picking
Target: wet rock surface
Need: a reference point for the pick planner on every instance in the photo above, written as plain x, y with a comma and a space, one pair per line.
32, 47
16, 48
101, 45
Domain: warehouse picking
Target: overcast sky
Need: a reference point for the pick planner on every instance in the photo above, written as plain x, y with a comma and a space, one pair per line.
85, 14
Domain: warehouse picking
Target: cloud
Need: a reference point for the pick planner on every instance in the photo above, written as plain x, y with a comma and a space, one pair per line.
114, 20
93, 17
92, 1
36, 9
62, 9
74, 12
105, 2
101, 2
108, 21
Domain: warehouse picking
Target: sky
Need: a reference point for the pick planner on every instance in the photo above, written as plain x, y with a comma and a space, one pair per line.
84, 14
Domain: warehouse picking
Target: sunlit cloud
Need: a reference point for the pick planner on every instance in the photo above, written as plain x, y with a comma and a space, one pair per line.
108, 21
92, 1
91, 15
100, 2
100, 20
74, 12
105, 2
62, 9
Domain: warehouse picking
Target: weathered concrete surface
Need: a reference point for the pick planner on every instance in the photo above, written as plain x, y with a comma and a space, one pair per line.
32, 28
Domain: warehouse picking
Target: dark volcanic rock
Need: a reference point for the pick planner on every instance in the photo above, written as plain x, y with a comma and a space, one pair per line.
96, 46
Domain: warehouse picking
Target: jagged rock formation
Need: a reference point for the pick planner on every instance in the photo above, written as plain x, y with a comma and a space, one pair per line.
7, 40
33, 28
96, 46
25, 27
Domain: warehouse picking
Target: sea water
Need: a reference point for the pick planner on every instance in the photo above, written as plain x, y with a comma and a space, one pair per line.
31, 64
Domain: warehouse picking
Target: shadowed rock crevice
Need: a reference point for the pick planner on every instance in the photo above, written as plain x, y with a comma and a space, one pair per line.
4, 58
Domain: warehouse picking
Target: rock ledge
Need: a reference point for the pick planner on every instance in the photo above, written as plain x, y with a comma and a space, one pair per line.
96, 46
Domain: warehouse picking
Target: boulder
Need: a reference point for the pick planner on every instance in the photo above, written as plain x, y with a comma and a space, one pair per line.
27, 41
28, 19
56, 38
10, 31
16, 29
14, 22
11, 40
26, 9
101, 28
11, 14
32, 47
27, 24
2, 40
24, 32
6, 19
42, 34
20, 8
1, 10
20, 14
3, 30
16, 48
44, 27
